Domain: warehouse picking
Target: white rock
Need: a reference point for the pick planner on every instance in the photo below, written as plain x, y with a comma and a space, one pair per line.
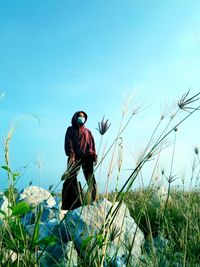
70, 258
87, 221
160, 194
35, 195
61, 214
64, 255
52, 227
47, 214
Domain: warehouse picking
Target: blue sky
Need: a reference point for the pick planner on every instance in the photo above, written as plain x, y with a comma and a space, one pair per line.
57, 57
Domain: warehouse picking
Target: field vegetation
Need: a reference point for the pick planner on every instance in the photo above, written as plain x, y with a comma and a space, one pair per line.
170, 221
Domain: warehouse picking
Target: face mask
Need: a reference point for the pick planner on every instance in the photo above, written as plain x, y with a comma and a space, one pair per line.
81, 120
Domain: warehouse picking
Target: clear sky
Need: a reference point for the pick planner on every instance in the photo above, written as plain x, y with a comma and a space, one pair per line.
57, 57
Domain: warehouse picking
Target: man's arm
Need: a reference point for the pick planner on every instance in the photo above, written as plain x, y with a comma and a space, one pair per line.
69, 151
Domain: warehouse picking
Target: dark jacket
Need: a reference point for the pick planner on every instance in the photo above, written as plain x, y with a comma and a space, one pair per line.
79, 140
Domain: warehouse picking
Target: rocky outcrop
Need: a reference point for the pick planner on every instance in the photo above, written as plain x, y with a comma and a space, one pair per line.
122, 235
109, 228
35, 195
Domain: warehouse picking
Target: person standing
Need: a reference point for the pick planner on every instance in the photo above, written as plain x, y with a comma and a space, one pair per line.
81, 153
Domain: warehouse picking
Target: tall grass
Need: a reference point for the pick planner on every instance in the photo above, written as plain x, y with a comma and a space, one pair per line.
179, 224
175, 220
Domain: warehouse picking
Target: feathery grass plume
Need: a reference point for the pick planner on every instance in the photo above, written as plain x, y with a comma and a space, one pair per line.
168, 109
127, 101
38, 162
137, 109
130, 100
185, 101
103, 126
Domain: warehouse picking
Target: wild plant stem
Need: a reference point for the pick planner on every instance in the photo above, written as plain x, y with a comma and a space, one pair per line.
100, 145
170, 179
145, 158
115, 140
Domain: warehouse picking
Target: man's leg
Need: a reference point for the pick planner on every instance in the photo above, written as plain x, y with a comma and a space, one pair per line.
88, 170
71, 198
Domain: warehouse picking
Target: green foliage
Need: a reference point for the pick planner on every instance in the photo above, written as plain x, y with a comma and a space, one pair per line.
182, 223
13, 234
14, 238
11, 193
14, 175
146, 210
6, 168
35, 236
47, 241
179, 223
86, 242
20, 208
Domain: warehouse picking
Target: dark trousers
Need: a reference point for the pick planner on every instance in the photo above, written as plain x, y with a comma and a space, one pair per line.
71, 191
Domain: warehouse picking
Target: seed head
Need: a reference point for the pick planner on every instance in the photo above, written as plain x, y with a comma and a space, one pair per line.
185, 102
103, 126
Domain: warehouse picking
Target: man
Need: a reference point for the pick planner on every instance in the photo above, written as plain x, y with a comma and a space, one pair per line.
80, 149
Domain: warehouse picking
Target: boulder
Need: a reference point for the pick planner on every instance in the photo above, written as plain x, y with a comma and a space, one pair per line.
51, 227
64, 255
70, 258
35, 195
47, 214
85, 223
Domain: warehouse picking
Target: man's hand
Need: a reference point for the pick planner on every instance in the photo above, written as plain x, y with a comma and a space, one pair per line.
95, 160
72, 159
